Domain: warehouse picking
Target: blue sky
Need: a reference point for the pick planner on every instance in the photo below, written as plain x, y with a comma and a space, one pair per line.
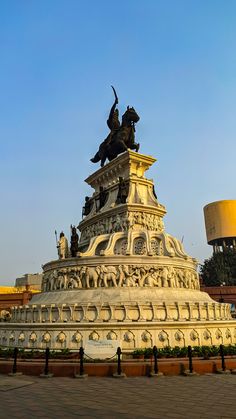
174, 61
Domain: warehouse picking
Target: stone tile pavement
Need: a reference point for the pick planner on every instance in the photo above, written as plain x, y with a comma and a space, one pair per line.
209, 396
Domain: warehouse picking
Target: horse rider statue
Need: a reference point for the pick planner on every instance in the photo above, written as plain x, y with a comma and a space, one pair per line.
121, 136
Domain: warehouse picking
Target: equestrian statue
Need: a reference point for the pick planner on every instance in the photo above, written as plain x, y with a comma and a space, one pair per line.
121, 136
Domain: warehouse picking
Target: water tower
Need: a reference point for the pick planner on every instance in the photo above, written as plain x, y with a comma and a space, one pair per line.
220, 222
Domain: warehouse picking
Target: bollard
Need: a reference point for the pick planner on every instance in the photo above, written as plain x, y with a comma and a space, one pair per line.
156, 372
47, 352
81, 358
46, 373
190, 359
223, 369
118, 361
119, 373
14, 367
190, 372
81, 365
155, 360
222, 358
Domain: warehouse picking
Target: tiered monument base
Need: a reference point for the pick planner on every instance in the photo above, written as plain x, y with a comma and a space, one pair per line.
129, 282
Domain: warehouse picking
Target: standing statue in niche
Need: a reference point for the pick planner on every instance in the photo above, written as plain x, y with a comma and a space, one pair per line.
74, 242
122, 191
87, 206
121, 137
62, 247
101, 198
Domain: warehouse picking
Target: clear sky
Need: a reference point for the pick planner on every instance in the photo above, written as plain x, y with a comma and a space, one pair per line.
173, 60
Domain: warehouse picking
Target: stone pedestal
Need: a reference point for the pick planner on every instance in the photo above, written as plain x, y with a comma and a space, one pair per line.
130, 281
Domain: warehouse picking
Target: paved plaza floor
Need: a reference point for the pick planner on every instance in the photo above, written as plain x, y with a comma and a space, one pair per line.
209, 396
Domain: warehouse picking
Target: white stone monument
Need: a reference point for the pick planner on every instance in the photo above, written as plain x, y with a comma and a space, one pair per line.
130, 281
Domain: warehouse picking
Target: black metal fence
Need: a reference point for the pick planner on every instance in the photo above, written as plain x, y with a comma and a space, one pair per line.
82, 357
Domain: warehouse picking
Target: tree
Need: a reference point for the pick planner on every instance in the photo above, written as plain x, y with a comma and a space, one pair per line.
220, 269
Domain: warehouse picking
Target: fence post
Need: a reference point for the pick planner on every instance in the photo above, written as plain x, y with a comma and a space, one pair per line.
156, 372
222, 358
14, 367
119, 373
155, 359
81, 364
81, 359
190, 359
46, 373
223, 369
190, 371
47, 352
118, 361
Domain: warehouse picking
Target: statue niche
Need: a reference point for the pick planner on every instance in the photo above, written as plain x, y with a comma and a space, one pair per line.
121, 137
87, 206
123, 191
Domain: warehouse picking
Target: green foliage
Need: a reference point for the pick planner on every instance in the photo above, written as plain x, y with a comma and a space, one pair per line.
204, 352
220, 269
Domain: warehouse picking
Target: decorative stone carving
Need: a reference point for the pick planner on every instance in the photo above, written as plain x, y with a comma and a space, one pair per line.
112, 335
228, 334
207, 334
94, 336
108, 276
61, 337
77, 337
218, 334
33, 337
46, 337
120, 247
179, 336
194, 335
140, 246
90, 276
21, 337
163, 337
12, 336
122, 222
128, 336
121, 275
155, 247
5, 315
146, 336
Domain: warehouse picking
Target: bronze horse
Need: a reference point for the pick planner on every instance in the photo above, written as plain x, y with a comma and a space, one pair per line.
121, 136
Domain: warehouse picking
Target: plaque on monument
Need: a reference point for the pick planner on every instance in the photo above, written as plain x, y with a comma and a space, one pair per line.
101, 349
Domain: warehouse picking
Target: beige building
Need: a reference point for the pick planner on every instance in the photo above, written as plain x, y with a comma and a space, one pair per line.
33, 281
